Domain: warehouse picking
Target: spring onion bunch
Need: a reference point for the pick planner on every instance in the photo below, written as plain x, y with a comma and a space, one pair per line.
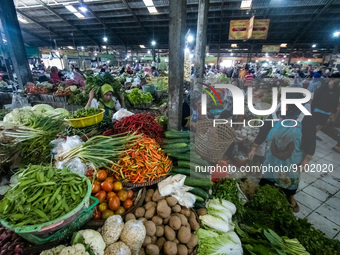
100, 151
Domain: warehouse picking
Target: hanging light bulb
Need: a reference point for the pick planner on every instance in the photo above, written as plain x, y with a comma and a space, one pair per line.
153, 43
105, 39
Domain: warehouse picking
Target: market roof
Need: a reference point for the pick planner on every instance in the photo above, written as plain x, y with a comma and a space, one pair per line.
129, 22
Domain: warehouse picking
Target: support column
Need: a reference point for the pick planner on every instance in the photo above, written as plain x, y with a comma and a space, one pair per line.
15, 42
177, 24
201, 37
290, 54
5, 55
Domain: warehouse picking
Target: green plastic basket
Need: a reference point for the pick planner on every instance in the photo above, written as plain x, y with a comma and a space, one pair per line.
51, 226
84, 216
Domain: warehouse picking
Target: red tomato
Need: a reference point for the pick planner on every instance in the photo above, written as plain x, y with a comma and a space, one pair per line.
102, 207
109, 179
101, 175
120, 210
107, 186
95, 188
114, 203
106, 214
110, 195
97, 215
89, 173
117, 186
130, 194
127, 204
101, 195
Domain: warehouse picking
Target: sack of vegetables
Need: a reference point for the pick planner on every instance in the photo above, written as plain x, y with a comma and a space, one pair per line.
45, 199
85, 117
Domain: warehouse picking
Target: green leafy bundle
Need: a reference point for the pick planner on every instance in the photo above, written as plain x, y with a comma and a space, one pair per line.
137, 96
96, 82
269, 209
35, 136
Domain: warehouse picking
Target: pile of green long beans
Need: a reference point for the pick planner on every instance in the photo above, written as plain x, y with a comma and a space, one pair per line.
42, 194
100, 151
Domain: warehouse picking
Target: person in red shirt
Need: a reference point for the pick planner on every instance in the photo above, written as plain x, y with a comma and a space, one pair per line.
248, 79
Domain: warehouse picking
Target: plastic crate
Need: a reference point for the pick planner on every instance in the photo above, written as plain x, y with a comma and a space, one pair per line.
51, 226
86, 121
84, 216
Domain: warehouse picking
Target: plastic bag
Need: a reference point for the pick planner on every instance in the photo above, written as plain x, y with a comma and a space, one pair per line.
175, 187
121, 114
62, 146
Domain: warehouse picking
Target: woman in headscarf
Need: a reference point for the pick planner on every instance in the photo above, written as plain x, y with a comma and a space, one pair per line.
286, 148
55, 75
107, 101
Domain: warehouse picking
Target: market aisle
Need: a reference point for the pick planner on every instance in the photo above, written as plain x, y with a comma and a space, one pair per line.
319, 196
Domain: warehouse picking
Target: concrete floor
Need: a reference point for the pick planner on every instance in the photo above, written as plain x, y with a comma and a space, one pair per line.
319, 193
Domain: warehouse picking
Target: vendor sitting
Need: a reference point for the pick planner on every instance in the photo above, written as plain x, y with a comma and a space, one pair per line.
107, 101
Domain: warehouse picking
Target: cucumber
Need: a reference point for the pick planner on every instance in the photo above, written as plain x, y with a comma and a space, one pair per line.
186, 164
187, 172
199, 199
175, 146
200, 192
176, 140
193, 182
177, 134
199, 205
176, 151
182, 156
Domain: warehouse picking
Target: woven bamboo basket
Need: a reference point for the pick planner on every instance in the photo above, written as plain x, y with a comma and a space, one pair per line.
213, 142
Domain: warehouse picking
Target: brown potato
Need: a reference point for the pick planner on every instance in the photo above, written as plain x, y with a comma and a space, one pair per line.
141, 252
176, 241
147, 241
170, 248
202, 211
150, 228
163, 209
166, 221
175, 222
184, 235
190, 251
150, 204
160, 242
182, 249
171, 201
157, 220
185, 211
184, 220
140, 211
130, 216
143, 220
150, 213
148, 195
160, 231
152, 249
156, 196
153, 239
169, 233
193, 241
176, 208
193, 222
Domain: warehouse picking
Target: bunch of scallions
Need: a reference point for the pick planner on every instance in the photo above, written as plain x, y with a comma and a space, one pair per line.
100, 151
33, 137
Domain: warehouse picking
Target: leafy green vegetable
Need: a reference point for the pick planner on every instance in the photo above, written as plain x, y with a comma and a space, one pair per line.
95, 82
84, 112
137, 96
269, 209
227, 189
214, 243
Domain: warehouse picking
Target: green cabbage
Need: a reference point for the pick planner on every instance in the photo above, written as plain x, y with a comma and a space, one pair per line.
19, 115
62, 112
213, 243
216, 223
42, 108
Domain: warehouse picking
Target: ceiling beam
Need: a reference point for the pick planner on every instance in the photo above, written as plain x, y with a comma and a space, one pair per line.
298, 35
44, 26
61, 17
113, 34
135, 16
48, 43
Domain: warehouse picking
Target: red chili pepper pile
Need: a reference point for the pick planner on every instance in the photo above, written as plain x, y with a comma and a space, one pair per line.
142, 123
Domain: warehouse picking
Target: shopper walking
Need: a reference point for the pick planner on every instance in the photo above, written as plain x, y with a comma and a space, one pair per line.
286, 148
325, 103
248, 79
